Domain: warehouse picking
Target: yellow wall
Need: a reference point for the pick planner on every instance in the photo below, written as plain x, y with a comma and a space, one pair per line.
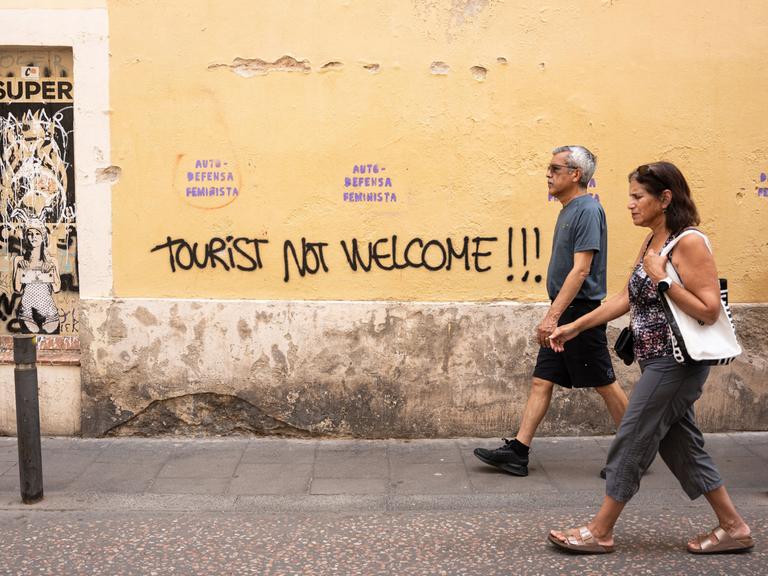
633, 81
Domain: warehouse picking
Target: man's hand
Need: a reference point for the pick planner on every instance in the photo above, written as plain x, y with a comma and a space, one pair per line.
545, 328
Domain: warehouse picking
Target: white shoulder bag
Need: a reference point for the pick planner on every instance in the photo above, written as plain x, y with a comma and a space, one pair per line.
692, 340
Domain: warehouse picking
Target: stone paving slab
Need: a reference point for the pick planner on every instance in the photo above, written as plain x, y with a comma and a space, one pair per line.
289, 478
759, 450
279, 450
200, 485
384, 473
6, 466
352, 486
341, 464
570, 449
140, 452
749, 438
129, 477
9, 452
61, 469
431, 478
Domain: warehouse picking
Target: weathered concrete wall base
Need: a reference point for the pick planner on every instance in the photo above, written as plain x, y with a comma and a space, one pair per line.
363, 369
204, 414
59, 397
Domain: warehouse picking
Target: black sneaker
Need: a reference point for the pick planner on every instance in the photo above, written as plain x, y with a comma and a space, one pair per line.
504, 458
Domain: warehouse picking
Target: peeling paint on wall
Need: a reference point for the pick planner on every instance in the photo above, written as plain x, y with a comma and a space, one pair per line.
361, 369
466, 10
249, 67
331, 66
478, 72
439, 68
207, 414
110, 174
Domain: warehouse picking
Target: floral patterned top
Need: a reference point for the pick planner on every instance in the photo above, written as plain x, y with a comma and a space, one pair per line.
649, 324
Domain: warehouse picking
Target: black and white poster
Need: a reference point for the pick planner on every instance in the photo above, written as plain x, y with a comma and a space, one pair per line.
38, 238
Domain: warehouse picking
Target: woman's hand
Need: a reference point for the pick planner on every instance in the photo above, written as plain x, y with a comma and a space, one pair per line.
561, 335
22, 264
655, 265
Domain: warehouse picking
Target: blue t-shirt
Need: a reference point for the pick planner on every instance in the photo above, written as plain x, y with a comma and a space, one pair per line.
580, 227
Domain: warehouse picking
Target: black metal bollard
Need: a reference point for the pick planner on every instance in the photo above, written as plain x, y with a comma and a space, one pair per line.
28, 418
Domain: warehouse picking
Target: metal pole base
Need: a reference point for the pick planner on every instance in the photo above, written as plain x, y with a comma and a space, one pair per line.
28, 418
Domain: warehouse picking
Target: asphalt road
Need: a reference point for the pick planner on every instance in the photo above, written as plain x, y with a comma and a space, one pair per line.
648, 541
325, 507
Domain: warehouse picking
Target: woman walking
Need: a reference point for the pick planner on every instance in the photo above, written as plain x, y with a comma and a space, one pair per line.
660, 418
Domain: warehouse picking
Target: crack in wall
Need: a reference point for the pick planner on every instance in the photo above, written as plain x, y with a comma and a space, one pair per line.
205, 414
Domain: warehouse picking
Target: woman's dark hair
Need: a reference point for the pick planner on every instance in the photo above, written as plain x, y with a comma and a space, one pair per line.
659, 176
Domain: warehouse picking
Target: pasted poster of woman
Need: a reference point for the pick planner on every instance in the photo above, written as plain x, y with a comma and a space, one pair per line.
36, 278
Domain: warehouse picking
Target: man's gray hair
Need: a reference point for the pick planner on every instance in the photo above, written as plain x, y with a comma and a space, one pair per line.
581, 158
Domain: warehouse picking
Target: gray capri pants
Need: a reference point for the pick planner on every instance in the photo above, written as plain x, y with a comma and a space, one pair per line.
660, 419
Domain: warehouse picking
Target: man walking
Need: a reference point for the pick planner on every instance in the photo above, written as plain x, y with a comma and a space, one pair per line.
576, 284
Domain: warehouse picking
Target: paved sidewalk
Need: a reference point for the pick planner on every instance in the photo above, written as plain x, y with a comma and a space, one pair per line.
317, 507
273, 473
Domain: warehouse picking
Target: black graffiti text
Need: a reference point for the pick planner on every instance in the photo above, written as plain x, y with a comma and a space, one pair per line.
229, 253
537, 251
432, 255
7, 309
312, 258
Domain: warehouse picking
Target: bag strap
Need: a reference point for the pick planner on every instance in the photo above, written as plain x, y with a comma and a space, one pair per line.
647, 245
668, 248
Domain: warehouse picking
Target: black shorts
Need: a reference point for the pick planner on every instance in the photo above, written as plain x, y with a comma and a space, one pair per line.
585, 362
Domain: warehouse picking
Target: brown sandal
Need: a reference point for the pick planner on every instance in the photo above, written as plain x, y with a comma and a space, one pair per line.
724, 543
584, 543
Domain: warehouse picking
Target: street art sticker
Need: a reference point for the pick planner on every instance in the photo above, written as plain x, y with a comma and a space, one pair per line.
39, 285
368, 183
762, 190
207, 182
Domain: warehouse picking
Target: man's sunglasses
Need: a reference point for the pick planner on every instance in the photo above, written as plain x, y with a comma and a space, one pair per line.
554, 168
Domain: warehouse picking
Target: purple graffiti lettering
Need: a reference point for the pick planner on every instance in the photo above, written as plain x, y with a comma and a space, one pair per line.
365, 169
208, 163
